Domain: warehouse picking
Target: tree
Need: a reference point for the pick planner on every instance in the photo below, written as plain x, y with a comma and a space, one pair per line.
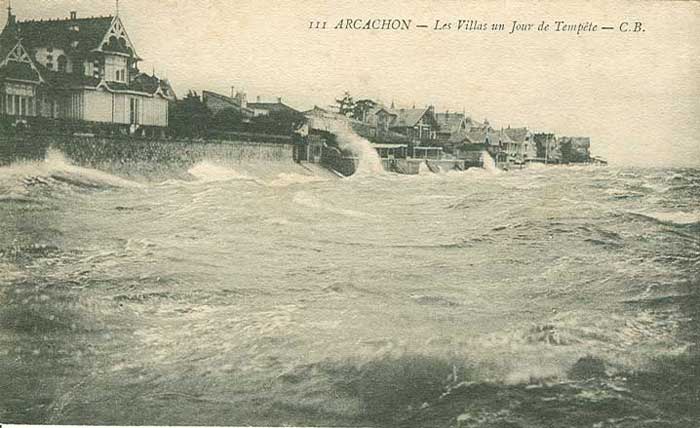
228, 119
346, 105
189, 117
282, 122
362, 107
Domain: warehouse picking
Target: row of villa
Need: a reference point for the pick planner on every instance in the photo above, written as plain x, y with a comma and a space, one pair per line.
417, 133
86, 70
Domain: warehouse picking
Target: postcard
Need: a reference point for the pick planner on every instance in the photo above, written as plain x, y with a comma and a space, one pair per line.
350, 214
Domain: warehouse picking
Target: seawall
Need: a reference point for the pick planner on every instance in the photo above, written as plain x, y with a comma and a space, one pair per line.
143, 157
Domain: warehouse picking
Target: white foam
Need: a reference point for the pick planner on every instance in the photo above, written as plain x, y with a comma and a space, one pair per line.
208, 172
369, 162
489, 163
423, 169
58, 167
284, 179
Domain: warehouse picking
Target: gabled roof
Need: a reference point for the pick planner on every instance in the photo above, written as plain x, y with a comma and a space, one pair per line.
376, 109
449, 122
518, 135
19, 71
382, 109
58, 33
408, 117
471, 123
224, 98
15, 61
232, 102
316, 111
462, 137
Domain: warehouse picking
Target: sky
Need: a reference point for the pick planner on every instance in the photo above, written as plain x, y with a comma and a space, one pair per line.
635, 94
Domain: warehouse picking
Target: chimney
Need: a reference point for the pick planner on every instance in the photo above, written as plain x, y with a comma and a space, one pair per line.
233, 91
279, 100
74, 15
257, 99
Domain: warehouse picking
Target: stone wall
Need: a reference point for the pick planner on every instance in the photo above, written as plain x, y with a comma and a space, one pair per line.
131, 156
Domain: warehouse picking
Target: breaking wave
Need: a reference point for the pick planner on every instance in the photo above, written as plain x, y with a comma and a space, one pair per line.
368, 160
677, 218
56, 169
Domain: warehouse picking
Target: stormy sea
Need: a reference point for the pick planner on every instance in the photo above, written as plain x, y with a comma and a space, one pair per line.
263, 294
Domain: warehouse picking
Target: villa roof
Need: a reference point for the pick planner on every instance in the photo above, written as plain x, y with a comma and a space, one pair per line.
518, 135
407, 117
58, 33
449, 122
461, 137
471, 123
15, 68
480, 136
232, 101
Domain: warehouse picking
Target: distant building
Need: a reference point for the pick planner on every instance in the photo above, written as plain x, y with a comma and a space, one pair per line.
521, 148
383, 119
217, 102
419, 125
548, 149
464, 143
575, 149
450, 124
264, 108
78, 69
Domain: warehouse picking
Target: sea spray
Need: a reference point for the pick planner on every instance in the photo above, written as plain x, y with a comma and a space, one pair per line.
424, 169
55, 167
488, 163
368, 160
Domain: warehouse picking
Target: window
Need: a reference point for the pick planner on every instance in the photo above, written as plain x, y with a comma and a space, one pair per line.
62, 64
134, 110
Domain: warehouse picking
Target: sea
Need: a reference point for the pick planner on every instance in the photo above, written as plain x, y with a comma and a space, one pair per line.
259, 294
